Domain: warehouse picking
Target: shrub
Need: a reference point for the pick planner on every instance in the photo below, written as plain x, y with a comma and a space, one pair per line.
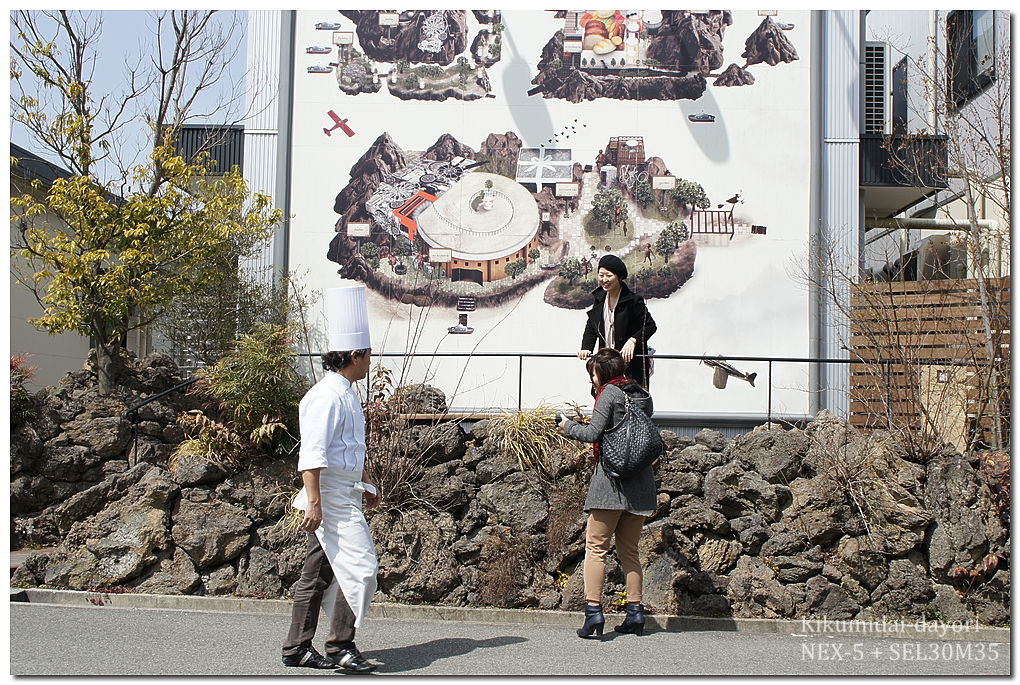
533, 440
22, 402
388, 462
509, 558
255, 391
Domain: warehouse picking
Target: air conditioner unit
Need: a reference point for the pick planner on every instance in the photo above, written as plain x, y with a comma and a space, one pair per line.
877, 88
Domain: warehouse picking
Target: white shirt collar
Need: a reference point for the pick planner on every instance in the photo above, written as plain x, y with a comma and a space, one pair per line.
338, 381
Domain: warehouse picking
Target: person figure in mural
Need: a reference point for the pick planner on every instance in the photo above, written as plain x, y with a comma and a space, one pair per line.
585, 266
392, 259
648, 253
615, 507
339, 572
619, 320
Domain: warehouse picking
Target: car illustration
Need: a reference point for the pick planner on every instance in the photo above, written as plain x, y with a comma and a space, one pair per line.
318, 50
701, 117
785, 25
319, 69
328, 26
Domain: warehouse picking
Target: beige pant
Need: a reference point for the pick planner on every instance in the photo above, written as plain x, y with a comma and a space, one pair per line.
602, 525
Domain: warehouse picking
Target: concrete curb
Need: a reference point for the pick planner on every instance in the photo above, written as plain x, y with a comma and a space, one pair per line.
919, 630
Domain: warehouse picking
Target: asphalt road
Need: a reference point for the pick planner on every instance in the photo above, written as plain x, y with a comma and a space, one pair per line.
67, 640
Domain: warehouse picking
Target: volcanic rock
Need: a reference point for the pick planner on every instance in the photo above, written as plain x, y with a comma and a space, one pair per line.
768, 44
501, 152
446, 148
734, 76
381, 160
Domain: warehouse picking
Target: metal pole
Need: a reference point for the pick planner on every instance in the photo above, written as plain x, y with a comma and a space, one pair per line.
770, 396
520, 379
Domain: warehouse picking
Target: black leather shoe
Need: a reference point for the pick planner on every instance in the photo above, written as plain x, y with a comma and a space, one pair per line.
594, 622
634, 623
309, 658
351, 661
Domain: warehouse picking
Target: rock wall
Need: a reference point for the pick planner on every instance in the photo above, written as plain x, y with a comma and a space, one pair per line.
80, 441
768, 525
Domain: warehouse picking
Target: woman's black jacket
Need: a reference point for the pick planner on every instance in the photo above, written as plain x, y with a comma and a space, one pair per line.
632, 321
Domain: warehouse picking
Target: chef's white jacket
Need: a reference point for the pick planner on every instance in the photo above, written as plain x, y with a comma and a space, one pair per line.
332, 426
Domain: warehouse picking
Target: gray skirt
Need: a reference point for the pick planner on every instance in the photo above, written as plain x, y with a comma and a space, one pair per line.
635, 494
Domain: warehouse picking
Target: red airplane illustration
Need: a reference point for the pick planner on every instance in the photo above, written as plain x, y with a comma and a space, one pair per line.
338, 123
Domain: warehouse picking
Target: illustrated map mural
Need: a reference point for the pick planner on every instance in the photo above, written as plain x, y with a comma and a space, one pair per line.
471, 167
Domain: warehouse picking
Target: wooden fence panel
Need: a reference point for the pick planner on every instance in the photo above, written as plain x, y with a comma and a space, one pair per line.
924, 347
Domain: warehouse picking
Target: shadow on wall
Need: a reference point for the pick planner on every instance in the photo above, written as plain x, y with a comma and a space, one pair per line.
712, 139
531, 115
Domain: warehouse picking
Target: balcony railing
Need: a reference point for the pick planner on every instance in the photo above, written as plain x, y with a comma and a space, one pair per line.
912, 161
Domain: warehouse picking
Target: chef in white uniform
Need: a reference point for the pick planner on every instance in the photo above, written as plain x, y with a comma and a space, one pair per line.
332, 461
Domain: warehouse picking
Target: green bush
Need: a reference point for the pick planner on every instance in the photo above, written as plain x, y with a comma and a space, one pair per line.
22, 402
258, 379
254, 391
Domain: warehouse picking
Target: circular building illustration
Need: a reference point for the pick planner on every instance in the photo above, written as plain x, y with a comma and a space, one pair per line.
486, 221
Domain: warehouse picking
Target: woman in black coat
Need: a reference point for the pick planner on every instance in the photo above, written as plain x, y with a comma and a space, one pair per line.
628, 325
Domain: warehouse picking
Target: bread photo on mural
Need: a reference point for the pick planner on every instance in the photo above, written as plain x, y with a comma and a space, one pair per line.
649, 54
465, 228
415, 54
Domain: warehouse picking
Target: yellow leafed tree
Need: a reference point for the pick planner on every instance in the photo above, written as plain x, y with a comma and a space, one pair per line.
121, 250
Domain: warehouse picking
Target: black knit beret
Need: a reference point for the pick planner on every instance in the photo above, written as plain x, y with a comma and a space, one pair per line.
611, 262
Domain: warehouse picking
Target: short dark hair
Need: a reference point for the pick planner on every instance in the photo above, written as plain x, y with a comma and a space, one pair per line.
607, 364
338, 361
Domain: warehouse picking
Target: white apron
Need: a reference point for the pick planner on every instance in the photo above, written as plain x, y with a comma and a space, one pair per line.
346, 539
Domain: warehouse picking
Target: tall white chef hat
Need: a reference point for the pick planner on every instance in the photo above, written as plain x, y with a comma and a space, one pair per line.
347, 318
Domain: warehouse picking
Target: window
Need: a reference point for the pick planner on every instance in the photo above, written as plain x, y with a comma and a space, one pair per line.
970, 63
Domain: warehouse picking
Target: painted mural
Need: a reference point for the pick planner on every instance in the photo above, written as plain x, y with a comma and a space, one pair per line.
651, 55
471, 167
413, 54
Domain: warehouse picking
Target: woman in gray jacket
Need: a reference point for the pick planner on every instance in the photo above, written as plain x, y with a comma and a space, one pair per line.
615, 506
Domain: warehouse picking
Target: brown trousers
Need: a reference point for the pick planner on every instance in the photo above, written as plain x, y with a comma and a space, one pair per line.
316, 575
603, 525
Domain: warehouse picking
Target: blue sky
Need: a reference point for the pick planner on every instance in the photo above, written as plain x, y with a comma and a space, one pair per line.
125, 39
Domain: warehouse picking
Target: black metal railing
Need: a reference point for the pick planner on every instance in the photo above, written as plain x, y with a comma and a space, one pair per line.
131, 413
903, 161
771, 361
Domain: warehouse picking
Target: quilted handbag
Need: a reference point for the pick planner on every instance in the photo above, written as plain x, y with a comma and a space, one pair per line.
630, 445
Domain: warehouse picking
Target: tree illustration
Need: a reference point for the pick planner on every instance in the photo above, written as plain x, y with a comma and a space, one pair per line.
570, 269
609, 206
516, 268
690, 194
677, 232
665, 246
534, 253
643, 194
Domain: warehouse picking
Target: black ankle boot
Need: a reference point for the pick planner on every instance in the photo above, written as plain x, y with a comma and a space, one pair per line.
635, 620
594, 622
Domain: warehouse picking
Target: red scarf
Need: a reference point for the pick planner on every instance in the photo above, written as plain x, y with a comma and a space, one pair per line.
618, 381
